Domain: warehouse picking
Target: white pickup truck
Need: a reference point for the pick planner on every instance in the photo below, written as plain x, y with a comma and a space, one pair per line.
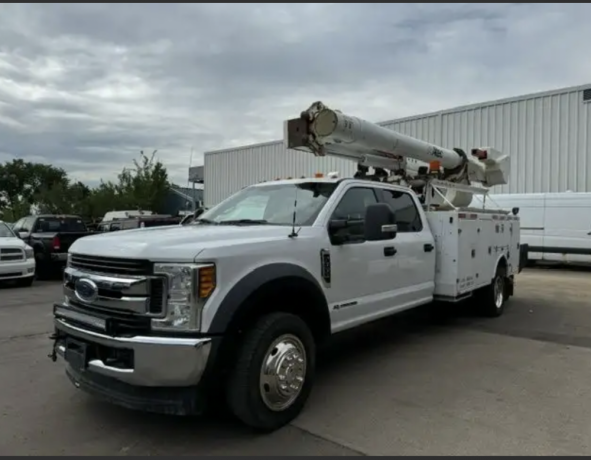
17, 259
236, 304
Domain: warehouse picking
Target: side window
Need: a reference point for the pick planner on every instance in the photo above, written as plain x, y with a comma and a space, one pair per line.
352, 205
129, 225
115, 227
407, 216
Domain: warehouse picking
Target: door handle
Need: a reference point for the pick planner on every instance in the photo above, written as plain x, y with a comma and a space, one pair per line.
390, 251
428, 247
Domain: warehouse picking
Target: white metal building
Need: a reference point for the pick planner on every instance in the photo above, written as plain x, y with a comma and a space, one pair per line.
548, 136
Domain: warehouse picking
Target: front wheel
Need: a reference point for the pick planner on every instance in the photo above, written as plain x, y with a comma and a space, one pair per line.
493, 297
274, 372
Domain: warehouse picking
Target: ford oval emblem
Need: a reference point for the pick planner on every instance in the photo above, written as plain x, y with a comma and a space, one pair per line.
86, 290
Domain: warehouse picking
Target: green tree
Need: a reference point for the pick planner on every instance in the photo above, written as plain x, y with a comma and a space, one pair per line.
144, 185
21, 183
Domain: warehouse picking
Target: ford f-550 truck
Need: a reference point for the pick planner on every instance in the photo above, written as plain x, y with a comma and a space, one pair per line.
236, 304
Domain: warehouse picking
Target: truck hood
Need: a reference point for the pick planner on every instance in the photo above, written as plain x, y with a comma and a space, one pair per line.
177, 243
13, 243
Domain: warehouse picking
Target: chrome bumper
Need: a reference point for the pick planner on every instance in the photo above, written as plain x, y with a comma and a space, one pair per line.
157, 361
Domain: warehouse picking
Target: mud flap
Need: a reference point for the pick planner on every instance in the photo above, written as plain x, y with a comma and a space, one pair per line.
523, 256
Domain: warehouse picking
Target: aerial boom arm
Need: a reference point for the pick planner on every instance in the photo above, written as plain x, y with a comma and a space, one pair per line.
324, 131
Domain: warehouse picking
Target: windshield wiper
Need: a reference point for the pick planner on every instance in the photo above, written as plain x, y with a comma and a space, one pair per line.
204, 221
243, 222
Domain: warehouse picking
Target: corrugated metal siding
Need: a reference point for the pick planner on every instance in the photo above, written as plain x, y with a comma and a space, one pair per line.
230, 170
545, 134
547, 137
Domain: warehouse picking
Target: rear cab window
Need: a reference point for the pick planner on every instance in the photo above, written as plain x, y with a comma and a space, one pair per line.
56, 224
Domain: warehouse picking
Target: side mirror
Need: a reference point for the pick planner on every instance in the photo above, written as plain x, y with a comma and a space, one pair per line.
345, 231
23, 235
380, 222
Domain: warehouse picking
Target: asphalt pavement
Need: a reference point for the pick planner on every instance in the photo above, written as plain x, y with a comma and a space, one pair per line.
515, 385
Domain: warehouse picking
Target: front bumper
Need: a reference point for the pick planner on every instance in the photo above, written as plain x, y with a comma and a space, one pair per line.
17, 270
149, 361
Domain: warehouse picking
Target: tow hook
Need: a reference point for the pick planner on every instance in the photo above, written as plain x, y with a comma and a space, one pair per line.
53, 355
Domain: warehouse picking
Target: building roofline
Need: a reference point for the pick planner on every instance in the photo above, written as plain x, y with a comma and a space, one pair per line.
461, 108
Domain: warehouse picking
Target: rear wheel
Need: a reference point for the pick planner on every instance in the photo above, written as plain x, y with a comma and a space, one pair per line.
274, 372
493, 297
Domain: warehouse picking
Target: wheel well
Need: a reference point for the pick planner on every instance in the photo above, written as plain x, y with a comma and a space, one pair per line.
291, 294
502, 263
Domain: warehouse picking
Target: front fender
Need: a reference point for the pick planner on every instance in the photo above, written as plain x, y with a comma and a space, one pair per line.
249, 284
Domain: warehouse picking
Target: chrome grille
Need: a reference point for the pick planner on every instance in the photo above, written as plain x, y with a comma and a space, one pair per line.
113, 322
11, 255
110, 265
127, 295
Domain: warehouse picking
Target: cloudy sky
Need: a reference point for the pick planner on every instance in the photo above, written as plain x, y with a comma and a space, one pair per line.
85, 87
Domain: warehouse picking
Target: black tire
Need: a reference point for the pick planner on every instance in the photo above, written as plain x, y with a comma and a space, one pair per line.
244, 388
25, 282
40, 267
493, 297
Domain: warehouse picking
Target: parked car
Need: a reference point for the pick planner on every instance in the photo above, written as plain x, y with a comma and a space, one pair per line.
17, 259
50, 236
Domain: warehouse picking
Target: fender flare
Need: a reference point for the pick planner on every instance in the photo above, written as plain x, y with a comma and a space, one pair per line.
249, 284
502, 257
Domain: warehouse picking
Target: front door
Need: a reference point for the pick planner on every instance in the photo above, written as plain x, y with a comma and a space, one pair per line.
363, 273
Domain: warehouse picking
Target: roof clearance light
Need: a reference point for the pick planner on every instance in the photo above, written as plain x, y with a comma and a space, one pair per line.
318, 175
434, 166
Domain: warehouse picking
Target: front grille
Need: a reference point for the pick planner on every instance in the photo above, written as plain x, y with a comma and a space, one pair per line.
110, 265
118, 322
11, 254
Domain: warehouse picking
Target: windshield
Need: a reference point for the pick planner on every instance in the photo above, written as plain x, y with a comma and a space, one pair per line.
272, 204
57, 224
6, 231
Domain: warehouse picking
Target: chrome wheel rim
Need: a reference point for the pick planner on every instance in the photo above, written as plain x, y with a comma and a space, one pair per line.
283, 372
499, 288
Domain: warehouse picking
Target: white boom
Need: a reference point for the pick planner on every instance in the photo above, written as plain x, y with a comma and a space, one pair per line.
323, 131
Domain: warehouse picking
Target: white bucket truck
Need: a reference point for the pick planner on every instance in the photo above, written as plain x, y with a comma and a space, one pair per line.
235, 305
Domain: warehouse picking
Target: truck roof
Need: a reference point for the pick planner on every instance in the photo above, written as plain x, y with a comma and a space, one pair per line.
328, 180
306, 180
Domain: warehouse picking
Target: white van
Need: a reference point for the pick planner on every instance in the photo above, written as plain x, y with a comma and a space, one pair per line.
556, 226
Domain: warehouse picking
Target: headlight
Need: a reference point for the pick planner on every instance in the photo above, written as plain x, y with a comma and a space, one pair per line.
189, 287
69, 260
30, 253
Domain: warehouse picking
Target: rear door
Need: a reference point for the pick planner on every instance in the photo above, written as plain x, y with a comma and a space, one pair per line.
415, 256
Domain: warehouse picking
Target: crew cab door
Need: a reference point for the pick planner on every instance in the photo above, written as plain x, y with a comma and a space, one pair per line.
363, 273
415, 256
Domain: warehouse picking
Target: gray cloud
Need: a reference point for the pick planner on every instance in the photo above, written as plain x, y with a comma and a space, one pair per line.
85, 86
